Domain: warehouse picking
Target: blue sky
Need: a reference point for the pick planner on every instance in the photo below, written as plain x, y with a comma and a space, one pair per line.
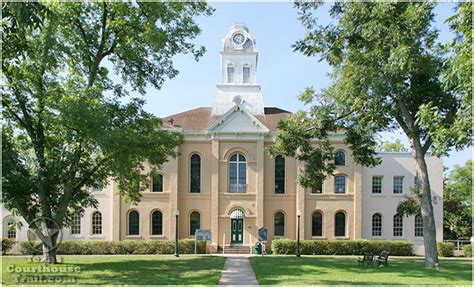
282, 73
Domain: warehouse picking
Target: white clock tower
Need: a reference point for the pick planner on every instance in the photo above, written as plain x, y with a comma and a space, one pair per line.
239, 58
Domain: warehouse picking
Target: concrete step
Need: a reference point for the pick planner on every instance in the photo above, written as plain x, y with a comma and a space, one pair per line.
235, 249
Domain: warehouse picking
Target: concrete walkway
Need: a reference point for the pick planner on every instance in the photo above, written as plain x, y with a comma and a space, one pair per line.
237, 271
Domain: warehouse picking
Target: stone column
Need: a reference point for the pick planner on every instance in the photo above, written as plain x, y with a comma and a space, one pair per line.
357, 202
215, 192
300, 203
260, 183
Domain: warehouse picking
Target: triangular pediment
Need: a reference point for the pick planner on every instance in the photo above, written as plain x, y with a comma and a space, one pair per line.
238, 120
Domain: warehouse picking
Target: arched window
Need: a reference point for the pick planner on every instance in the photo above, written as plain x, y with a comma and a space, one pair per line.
133, 223
237, 173
377, 224
156, 223
195, 173
279, 174
340, 184
279, 224
340, 226
418, 225
317, 224
97, 223
194, 222
230, 74
340, 158
246, 75
157, 183
76, 224
397, 225
11, 229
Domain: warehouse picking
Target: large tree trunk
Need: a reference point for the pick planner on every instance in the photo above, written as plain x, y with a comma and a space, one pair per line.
427, 214
49, 254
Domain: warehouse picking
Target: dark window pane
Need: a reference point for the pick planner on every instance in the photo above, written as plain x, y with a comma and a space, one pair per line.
340, 224
376, 225
279, 224
158, 183
397, 225
133, 223
156, 223
195, 222
317, 224
340, 158
97, 223
418, 226
340, 184
195, 173
279, 174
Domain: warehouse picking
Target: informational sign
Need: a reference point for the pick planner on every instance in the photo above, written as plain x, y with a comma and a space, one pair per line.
262, 234
203, 234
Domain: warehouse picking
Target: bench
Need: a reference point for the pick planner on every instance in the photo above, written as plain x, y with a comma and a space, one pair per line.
382, 259
368, 259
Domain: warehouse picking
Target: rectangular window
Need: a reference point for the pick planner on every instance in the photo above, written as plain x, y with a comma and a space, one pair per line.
230, 74
340, 184
318, 189
398, 184
157, 183
397, 225
246, 76
418, 226
376, 184
76, 224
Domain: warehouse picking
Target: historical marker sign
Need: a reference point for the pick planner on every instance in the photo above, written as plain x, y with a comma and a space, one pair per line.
203, 234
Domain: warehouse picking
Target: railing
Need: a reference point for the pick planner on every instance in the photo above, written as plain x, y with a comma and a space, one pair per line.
458, 244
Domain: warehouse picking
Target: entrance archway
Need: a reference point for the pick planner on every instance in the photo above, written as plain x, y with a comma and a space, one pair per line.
236, 227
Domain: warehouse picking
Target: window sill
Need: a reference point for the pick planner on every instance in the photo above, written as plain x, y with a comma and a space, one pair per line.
341, 237
97, 236
133, 236
377, 195
157, 236
398, 194
318, 237
279, 237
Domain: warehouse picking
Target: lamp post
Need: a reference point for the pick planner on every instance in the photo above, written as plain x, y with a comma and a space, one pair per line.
176, 245
298, 251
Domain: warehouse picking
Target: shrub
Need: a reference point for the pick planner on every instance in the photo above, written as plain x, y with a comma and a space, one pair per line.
27, 248
283, 246
467, 249
446, 249
343, 247
87, 247
7, 245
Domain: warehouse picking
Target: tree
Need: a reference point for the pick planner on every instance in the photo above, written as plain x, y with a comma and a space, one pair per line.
457, 203
67, 126
387, 67
395, 146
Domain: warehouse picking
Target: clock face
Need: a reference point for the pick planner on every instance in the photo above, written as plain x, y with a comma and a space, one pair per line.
238, 39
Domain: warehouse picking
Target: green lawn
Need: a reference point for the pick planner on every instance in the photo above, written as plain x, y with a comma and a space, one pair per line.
322, 270
118, 269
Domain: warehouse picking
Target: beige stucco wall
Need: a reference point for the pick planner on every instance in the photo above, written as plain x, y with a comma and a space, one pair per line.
260, 203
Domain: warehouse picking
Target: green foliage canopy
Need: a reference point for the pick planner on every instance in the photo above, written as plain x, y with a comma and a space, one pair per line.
67, 126
457, 203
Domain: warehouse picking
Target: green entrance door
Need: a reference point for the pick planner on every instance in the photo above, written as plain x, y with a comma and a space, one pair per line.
237, 231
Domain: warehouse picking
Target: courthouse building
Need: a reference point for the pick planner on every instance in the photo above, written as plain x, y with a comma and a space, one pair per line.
224, 179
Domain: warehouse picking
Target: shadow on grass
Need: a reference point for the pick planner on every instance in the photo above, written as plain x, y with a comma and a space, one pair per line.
205, 270
141, 271
334, 270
